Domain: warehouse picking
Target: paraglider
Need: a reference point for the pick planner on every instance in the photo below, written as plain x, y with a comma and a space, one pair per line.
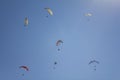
49, 11
58, 43
93, 63
55, 63
88, 15
24, 68
26, 21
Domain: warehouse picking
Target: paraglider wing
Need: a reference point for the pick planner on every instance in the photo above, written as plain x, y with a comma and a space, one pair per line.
58, 42
26, 21
94, 61
25, 67
88, 14
49, 11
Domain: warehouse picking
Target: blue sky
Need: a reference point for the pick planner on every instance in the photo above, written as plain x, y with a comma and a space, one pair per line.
85, 38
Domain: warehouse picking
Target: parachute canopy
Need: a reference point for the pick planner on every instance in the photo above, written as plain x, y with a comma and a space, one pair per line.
59, 42
49, 11
25, 67
26, 21
88, 14
94, 61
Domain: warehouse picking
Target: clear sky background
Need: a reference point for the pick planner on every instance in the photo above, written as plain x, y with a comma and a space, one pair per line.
85, 38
